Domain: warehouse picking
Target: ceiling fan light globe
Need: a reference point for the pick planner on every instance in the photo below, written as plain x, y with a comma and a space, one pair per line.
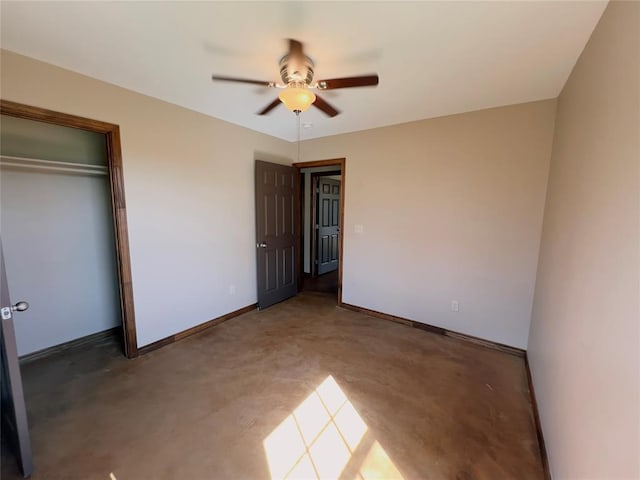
297, 99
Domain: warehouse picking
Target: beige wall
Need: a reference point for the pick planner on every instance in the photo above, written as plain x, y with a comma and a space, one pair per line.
189, 188
451, 209
585, 332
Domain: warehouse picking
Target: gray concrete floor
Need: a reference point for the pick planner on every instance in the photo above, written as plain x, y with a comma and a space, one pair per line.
303, 390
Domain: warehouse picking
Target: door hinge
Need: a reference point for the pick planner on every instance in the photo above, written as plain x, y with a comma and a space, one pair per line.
317, 226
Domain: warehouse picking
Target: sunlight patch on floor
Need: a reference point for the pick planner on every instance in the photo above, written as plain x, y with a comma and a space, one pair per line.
322, 438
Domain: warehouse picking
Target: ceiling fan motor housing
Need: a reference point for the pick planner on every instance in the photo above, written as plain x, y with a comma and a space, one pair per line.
296, 70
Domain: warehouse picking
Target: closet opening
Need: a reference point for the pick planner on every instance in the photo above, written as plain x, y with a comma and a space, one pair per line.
64, 233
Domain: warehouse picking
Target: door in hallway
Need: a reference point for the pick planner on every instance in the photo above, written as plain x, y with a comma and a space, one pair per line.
276, 238
328, 224
15, 427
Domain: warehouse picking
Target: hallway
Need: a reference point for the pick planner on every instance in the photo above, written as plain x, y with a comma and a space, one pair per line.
327, 283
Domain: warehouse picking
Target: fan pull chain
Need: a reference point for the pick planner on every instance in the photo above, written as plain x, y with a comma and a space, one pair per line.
298, 115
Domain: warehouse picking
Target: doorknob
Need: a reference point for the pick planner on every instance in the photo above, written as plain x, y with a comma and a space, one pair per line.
5, 312
20, 307
261, 245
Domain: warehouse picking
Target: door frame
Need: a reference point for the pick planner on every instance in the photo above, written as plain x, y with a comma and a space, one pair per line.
118, 204
336, 162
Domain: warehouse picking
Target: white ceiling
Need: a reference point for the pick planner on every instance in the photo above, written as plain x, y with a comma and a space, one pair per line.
433, 58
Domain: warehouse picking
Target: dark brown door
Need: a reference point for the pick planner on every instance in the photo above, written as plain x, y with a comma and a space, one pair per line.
15, 429
328, 224
276, 242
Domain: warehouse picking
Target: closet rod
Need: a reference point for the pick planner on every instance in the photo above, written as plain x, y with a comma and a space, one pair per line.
52, 166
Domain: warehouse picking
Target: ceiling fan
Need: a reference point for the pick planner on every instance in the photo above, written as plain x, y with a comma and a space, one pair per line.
296, 71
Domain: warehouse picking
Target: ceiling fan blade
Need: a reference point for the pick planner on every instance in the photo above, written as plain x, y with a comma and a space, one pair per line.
349, 82
270, 107
295, 49
242, 80
325, 107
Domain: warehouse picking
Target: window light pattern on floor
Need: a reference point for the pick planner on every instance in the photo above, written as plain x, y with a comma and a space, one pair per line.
325, 438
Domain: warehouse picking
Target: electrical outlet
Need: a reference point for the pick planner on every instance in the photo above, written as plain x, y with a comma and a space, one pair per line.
455, 306
358, 228
232, 289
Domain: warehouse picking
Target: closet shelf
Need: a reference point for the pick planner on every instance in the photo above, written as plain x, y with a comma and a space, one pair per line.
52, 166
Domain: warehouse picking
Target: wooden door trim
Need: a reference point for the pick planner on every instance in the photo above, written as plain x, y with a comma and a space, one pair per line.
337, 162
320, 163
118, 204
299, 227
313, 234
